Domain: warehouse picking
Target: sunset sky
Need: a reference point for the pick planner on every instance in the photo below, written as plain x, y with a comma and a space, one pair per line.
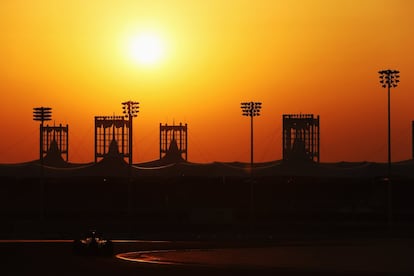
300, 56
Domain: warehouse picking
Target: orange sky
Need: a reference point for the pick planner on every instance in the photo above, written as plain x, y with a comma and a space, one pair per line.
304, 56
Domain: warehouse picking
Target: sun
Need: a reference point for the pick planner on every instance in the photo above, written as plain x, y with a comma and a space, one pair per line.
146, 48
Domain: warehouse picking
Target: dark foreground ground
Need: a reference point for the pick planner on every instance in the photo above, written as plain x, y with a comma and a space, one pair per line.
297, 256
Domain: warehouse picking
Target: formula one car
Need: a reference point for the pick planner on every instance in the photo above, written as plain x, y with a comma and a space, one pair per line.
93, 244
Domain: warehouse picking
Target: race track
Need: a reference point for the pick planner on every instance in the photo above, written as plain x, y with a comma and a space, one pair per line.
374, 257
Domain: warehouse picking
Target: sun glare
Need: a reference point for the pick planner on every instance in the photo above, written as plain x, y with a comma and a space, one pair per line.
146, 48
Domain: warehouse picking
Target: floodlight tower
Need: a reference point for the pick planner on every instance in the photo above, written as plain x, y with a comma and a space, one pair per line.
251, 109
42, 114
389, 79
130, 109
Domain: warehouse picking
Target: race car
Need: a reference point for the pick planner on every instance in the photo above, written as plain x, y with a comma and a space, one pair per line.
93, 244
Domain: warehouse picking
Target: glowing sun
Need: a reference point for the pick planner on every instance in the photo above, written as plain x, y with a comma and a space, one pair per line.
146, 48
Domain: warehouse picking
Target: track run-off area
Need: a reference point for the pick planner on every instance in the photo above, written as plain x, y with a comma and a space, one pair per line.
349, 256
354, 257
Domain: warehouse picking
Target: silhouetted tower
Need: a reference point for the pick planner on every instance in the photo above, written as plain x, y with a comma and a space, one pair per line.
42, 114
174, 134
108, 129
412, 137
130, 109
56, 136
389, 79
251, 109
300, 137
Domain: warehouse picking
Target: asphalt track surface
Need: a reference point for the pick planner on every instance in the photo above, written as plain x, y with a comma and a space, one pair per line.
328, 257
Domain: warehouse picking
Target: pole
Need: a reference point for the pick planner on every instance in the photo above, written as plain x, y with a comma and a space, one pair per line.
251, 109
389, 159
389, 131
130, 139
130, 110
42, 173
130, 167
42, 114
252, 209
41, 142
251, 142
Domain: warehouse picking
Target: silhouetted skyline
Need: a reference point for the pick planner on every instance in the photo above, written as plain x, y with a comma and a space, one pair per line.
201, 60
